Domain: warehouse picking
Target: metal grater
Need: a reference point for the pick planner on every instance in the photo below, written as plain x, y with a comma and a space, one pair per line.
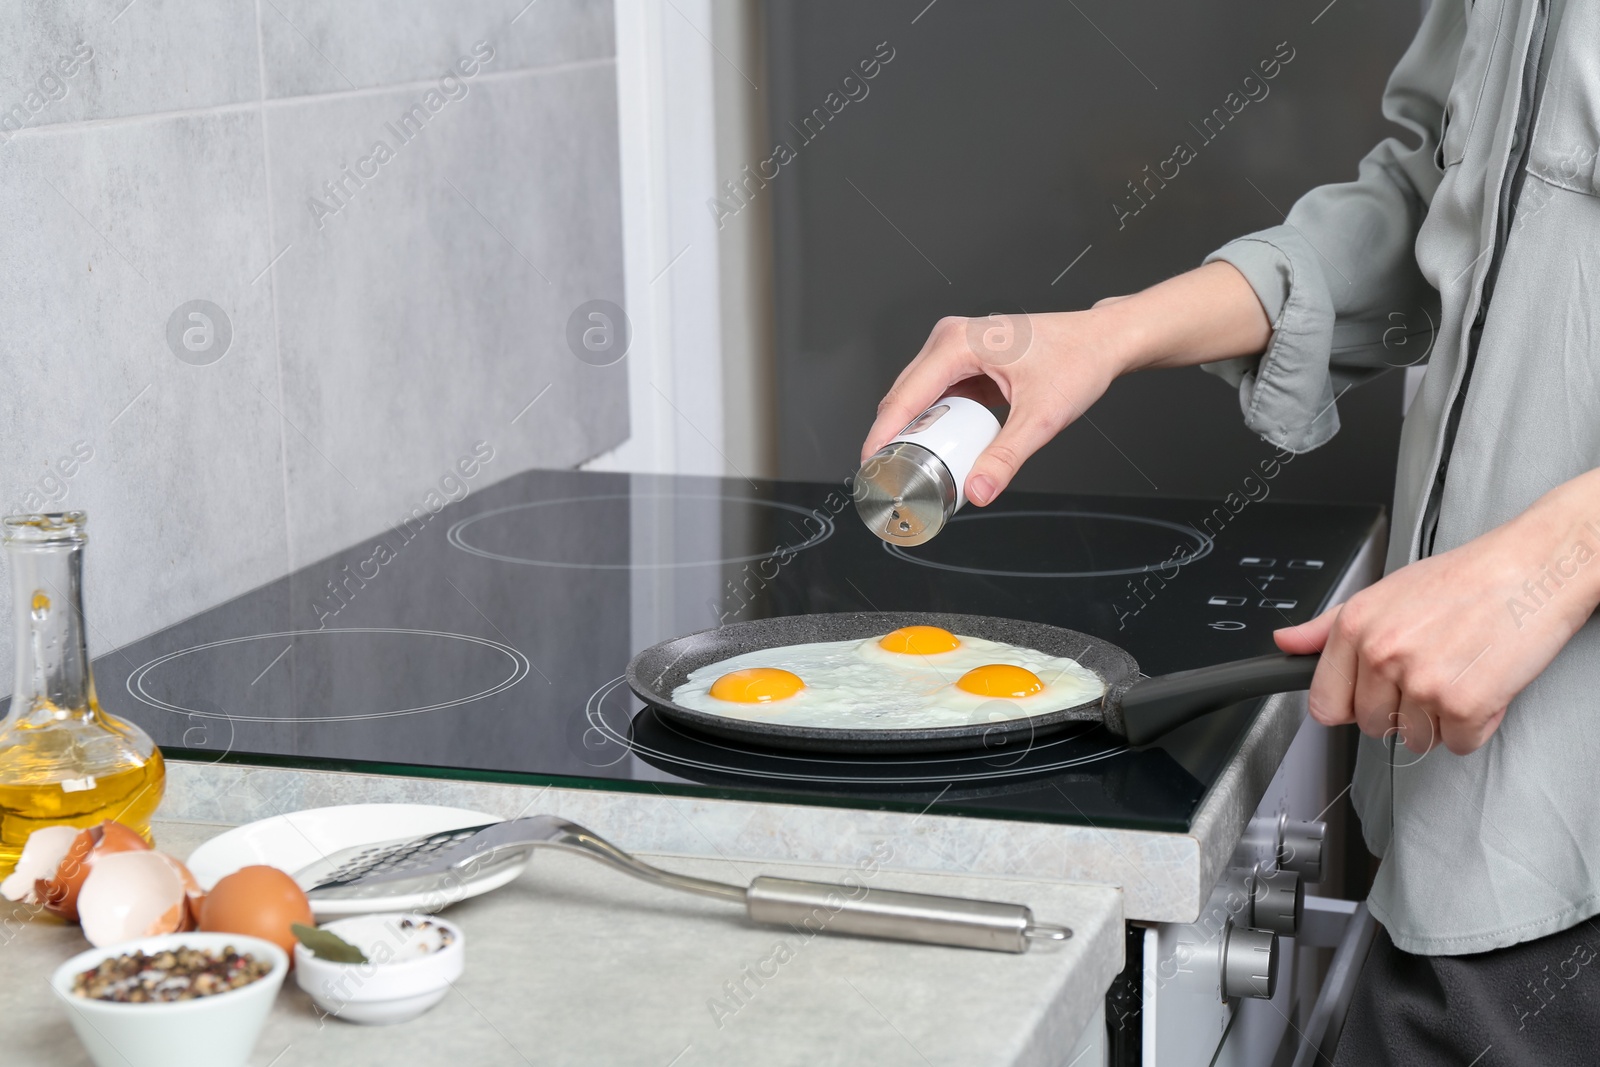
350, 866
444, 861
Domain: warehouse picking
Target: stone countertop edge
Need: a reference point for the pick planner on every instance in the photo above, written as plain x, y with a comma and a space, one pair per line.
1164, 877
574, 963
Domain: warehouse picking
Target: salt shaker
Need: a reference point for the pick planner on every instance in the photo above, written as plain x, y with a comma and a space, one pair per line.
908, 490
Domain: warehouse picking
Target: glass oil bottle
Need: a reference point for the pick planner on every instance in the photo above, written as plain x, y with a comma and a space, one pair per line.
63, 760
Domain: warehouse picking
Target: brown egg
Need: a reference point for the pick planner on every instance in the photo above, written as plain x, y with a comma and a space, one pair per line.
258, 902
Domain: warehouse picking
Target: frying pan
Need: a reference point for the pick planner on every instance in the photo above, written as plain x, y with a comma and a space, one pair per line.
1134, 706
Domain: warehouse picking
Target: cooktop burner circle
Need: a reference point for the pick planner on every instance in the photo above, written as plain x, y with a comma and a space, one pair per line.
793, 526
613, 712
1134, 544
228, 677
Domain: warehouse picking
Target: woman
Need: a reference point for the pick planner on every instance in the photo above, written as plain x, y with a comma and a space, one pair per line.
1472, 667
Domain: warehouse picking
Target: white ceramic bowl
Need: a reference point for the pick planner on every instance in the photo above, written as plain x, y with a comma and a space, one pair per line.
396, 983
214, 1031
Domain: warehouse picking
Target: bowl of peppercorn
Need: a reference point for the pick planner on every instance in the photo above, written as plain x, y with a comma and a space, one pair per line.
179, 1000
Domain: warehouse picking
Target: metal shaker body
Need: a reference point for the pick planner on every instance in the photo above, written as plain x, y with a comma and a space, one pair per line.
908, 490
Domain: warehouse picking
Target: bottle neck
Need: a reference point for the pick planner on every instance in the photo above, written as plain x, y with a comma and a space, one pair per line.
52, 679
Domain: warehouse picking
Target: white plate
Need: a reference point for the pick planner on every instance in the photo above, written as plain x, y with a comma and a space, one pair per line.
290, 842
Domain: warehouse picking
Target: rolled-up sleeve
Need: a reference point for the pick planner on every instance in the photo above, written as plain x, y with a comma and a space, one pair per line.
1339, 277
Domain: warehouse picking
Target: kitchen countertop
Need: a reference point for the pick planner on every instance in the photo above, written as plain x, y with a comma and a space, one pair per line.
1163, 876
575, 964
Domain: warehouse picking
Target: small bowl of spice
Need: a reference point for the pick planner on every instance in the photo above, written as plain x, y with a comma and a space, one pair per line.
379, 969
179, 1000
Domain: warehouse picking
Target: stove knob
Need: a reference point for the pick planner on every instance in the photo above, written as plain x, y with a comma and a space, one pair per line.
1300, 847
1249, 963
1277, 901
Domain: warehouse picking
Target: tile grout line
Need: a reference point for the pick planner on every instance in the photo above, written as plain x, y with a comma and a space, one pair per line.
264, 103
272, 284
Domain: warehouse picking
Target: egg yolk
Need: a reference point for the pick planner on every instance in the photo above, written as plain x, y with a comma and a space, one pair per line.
920, 641
1000, 680
757, 685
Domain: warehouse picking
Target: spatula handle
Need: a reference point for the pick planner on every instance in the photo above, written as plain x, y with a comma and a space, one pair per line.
1155, 705
818, 907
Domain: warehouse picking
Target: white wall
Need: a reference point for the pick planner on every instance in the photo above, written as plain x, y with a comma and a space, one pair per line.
690, 116
666, 131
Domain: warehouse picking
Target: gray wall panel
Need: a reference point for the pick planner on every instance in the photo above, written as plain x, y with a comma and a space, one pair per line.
984, 161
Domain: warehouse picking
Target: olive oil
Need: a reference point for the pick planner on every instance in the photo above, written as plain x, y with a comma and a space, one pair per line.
128, 795
63, 760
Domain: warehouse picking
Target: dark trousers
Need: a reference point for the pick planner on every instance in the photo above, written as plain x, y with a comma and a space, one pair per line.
1533, 1003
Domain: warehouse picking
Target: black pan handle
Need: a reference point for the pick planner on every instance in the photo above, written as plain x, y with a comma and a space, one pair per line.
1155, 705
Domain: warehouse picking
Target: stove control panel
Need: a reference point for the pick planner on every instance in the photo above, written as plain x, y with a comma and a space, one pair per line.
1260, 592
1209, 977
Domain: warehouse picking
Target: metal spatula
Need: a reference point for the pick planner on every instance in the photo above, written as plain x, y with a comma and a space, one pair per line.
443, 861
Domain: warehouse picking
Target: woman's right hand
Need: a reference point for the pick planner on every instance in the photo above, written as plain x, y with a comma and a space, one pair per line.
1049, 368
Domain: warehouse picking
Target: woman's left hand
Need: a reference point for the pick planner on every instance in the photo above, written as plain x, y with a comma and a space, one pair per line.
1438, 649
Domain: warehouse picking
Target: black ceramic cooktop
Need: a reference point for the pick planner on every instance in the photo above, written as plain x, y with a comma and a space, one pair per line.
488, 641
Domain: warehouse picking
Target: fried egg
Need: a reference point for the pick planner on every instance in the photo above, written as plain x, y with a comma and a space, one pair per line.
914, 678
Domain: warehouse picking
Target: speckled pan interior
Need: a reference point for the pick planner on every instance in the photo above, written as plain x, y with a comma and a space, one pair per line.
654, 673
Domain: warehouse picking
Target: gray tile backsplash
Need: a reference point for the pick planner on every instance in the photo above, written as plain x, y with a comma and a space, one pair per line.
106, 231
387, 305
72, 60
412, 315
312, 46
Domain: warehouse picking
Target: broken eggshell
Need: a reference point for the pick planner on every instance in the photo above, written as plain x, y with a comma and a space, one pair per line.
41, 857
129, 895
60, 894
58, 886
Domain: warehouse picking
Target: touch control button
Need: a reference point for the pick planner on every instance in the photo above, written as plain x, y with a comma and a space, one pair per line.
1306, 564
1281, 605
1258, 561
1226, 602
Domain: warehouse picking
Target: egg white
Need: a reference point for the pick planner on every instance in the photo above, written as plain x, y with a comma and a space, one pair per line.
858, 685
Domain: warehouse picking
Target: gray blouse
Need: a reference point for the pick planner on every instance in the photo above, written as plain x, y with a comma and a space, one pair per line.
1478, 250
